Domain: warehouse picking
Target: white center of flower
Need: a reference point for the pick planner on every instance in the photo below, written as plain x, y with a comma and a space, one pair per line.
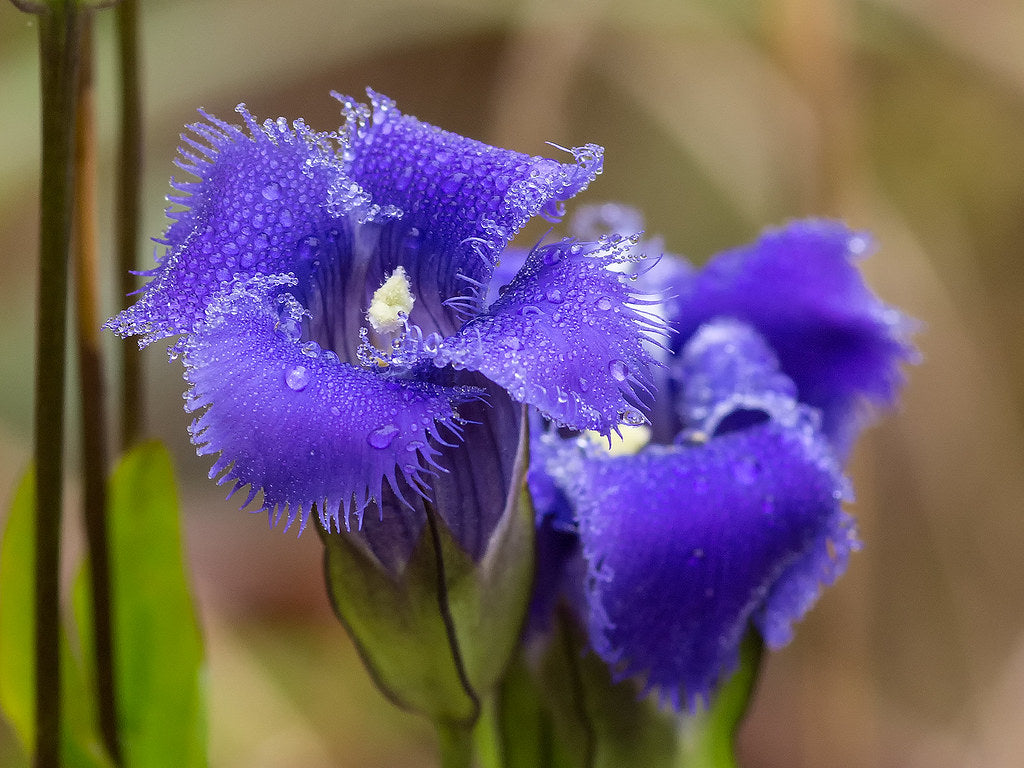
631, 441
391, 303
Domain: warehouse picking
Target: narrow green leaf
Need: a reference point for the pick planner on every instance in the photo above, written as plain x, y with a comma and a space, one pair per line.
80, 744
17, 618
157, 644
709, 738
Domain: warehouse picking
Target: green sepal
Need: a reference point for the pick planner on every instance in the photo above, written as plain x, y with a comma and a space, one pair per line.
708, 739
559, 707
437, 636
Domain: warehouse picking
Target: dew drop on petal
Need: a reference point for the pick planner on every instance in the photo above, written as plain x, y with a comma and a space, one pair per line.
297, 378
382, 437
604, 303
555, 296
552, 256
285, 217
335, 410
272, 191
618, 370
633, 418
746, 470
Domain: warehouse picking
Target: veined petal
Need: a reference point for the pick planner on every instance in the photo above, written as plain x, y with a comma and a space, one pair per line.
467, 199
468, 492
566, 336
260, 195
799, 287
299, 424
728, 378
688, 544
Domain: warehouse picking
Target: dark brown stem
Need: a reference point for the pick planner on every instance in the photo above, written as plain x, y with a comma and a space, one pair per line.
58, 49
129, 175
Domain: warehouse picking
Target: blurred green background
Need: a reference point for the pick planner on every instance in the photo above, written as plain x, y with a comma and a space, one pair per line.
904, 117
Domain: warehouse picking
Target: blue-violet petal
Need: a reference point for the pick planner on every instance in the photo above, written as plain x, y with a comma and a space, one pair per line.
258, 197
687, 545
297, 423
567, 336
800, 288
468, 199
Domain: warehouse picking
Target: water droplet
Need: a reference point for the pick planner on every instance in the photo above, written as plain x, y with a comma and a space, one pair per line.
633, 418
272, 191
618, 370
335, 410
554, 295
604, 303
311, 349
530, 311
415, 445
452, 184
285, 217
382, 437
746, 470
297, 378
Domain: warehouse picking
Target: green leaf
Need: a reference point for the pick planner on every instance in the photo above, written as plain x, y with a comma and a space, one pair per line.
709, 738
157, 644
80, 744
17, 613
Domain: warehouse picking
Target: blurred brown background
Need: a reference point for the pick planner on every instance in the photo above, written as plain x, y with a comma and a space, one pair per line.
719, 117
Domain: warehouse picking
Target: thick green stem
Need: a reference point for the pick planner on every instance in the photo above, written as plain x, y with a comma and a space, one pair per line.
58, 47
455, 742
90, 368
129, 176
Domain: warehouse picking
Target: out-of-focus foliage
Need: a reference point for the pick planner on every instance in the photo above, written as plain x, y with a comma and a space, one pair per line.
158, 649
80, 744
904, 117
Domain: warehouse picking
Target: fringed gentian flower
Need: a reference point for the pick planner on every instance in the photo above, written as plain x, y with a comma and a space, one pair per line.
330, 293
732, 514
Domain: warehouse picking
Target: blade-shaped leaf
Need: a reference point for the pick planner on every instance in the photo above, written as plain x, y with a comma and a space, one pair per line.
17, 619
80, 745
157, 644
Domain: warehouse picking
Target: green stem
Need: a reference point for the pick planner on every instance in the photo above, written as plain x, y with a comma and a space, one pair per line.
58, 48
455, 743
90, 367
129, 175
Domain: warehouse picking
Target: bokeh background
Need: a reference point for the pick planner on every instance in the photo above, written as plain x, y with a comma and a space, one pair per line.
719, 117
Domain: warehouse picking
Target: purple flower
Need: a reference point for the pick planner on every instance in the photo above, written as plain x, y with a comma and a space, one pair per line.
331, 293
732, 515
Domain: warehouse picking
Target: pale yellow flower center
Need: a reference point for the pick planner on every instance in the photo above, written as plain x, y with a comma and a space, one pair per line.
391, 303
